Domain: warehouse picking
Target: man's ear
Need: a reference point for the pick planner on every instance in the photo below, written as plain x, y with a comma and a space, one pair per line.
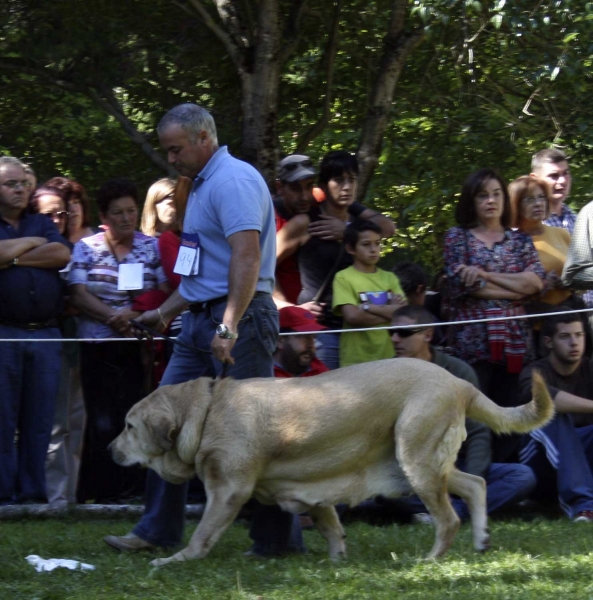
278, 185
428, 334
547, 342
280, 344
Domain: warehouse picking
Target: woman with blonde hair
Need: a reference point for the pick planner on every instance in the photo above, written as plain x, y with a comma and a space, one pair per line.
530, 203
158, 214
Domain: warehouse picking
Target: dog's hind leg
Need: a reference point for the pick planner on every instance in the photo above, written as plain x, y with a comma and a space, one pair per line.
328, 524
222, 507
434, 495
472, 490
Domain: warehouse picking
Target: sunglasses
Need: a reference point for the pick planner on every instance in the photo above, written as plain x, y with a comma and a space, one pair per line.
294, 165
62, 214
406, 333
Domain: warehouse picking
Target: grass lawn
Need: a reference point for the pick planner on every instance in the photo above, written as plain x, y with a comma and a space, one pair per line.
542, 558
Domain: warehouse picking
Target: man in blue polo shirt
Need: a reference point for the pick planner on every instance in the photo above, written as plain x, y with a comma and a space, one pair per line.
31, 254
229, 256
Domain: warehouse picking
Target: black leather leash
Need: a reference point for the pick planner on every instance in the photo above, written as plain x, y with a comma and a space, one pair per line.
153, 333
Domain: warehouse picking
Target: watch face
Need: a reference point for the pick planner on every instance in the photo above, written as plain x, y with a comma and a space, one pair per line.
221, 329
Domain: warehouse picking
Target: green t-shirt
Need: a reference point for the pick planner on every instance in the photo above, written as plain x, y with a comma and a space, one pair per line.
349, 285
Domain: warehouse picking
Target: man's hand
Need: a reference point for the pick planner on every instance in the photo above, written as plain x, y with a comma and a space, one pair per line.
221, 349
150, 318
315, 308
120, 321
328, 228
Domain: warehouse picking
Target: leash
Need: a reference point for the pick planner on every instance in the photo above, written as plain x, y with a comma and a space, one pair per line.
153, 333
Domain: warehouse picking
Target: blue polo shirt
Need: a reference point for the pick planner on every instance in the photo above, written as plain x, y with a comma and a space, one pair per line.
227, 196
30, 294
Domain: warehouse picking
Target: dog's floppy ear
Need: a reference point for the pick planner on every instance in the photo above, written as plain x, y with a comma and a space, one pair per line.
162, 429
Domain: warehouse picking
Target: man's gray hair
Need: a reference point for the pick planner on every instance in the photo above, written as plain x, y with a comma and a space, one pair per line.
192, 118
546, 157
11, 161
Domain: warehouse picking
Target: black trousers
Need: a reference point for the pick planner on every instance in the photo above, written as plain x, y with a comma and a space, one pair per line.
501, 387
113, 381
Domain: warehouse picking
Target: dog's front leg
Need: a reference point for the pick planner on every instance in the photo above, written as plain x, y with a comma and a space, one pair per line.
222, 507
328, 523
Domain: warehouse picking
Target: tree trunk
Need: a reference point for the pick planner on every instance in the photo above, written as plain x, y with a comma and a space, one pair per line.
260, 81
397, 46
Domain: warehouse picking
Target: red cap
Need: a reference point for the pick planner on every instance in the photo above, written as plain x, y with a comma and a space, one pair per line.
299, 319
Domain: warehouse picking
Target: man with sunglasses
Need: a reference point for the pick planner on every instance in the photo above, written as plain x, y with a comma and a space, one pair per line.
506, 483
31, 254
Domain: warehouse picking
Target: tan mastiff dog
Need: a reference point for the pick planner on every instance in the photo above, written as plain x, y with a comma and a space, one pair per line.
389, 427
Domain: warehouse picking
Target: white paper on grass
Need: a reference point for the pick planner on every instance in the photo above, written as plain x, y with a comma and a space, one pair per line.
49, 564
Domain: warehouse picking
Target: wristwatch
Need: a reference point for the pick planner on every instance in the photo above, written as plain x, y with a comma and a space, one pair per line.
222, 331
15, 262
365, 306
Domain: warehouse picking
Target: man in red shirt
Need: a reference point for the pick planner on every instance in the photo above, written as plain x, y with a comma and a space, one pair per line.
294, 195
295, 354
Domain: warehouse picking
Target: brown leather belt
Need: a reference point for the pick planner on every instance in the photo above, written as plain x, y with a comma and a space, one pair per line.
30, 326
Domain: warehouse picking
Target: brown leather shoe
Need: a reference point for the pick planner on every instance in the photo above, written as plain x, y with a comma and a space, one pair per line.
129, 543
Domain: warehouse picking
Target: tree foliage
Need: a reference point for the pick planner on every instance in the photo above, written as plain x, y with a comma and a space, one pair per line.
425, 90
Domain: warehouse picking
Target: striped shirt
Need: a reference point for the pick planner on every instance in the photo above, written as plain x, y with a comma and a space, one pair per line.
94, 265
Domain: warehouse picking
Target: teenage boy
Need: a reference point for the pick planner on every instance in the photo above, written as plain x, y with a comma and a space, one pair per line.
561, 453
365, 296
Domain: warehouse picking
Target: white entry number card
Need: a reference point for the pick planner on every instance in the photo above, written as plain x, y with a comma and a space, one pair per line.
188, 259
130, 276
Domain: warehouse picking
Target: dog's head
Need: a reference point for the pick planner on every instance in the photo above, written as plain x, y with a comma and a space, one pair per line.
149, 438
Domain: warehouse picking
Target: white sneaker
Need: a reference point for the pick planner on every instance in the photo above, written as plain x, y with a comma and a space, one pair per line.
422, 518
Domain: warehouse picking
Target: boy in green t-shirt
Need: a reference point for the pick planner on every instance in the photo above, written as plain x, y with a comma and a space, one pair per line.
365, 296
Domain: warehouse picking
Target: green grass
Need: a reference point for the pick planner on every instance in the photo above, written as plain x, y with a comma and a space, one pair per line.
543, 558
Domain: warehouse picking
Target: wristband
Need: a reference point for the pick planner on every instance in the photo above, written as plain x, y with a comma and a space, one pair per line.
15, 261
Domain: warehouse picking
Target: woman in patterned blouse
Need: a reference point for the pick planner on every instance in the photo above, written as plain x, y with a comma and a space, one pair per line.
112, 372
491, 271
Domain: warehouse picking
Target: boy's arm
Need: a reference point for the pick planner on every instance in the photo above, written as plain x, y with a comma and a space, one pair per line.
356, 316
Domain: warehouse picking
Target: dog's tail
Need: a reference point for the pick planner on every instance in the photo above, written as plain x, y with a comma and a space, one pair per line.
520, 419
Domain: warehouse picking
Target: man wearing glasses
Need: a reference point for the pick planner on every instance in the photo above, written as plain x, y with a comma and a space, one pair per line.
31, 254
506, 484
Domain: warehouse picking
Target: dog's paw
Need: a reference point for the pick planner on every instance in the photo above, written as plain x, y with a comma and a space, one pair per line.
160, 562
484, 544
339, 557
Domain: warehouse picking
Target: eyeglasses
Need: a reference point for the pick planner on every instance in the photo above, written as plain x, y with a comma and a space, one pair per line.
406, 333
61, 214
296, 164
529, 200
12, 184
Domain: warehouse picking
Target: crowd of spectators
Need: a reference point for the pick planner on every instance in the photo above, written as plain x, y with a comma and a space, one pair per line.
517, 250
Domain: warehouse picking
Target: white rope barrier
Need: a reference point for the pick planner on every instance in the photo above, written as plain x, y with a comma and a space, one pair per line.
353, 330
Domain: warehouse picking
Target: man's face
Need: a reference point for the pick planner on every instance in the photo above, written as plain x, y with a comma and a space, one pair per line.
558, 177
415, 345
53, 207
14, 187
296, 352
296, 195
568, 343
187, 157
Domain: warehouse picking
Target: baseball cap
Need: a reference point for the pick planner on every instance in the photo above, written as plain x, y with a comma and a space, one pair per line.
295, 167
299, 319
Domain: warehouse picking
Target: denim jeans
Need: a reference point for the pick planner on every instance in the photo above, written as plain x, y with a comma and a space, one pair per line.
506, 484
163, 521
561, 455
29, 379
328, 349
